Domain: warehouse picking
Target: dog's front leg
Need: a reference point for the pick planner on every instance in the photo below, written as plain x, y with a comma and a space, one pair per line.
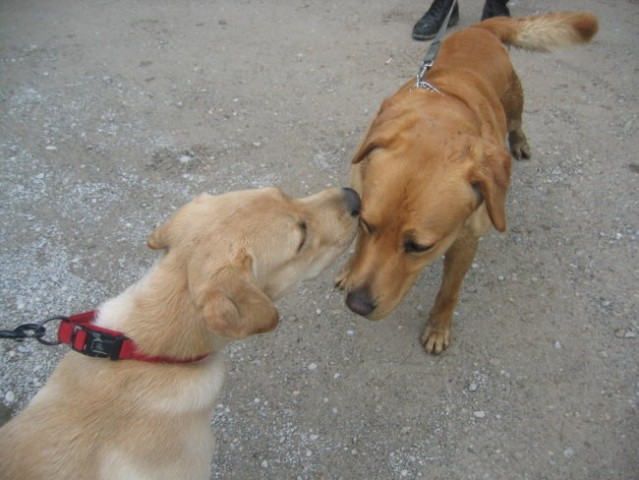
457, 261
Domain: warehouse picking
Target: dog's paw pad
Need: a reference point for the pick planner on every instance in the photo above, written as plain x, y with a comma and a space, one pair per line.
435, 341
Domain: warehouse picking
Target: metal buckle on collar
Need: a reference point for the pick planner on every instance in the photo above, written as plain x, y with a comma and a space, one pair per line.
97, 344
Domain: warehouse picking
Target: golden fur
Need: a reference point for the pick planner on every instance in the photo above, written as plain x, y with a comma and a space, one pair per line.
226, 258
432, 169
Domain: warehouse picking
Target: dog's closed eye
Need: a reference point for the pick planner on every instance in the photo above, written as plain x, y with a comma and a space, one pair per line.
410, 246
304, 229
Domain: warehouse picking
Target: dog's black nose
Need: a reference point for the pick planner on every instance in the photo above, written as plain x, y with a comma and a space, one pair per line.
352, 200
360, 302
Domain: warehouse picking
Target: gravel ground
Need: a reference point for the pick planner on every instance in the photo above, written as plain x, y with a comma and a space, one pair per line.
112, 114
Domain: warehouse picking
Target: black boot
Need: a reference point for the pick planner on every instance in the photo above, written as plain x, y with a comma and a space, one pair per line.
428, 26
495, 8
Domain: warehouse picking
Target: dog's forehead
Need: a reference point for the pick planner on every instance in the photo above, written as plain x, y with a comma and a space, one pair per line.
236, 215
259, 201
401, 200
391, 178
248, 197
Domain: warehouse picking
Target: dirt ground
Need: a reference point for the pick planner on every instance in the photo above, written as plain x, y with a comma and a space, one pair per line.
113, 113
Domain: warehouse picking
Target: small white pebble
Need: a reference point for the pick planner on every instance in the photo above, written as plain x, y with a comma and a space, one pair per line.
479, 414
9, 397
264, 464
312, 366
473, 387
558, 345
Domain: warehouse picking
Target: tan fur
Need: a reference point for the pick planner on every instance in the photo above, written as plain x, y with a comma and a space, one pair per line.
542, 33
432, 169
226, 259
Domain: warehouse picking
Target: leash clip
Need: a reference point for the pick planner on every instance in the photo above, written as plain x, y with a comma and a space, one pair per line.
421, 83
31, 330
26, 330
423, 70
429, 60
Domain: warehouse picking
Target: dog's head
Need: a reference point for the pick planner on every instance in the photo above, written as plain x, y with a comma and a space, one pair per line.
235, 253
421, 185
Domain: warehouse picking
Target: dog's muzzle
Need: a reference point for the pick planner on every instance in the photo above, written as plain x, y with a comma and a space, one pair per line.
360, 301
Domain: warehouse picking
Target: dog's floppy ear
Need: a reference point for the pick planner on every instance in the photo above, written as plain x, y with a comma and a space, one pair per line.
490, 176
366, 147
159, 238
230, 302
174, 229
379, 135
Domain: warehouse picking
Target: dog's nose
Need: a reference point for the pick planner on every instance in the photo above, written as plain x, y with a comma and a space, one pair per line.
352, 201
360, 302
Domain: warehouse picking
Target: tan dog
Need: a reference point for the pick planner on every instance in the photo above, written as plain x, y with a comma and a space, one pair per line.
226, 259
433, 172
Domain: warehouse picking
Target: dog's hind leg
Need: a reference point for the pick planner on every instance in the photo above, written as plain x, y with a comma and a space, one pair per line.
457, 261
513, 103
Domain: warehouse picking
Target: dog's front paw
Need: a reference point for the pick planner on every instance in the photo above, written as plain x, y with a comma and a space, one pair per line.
435, 340
340, 280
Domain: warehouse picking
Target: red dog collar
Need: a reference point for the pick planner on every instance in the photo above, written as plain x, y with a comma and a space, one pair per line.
79, 332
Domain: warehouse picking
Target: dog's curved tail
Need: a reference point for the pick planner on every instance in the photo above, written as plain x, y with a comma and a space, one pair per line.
543, 32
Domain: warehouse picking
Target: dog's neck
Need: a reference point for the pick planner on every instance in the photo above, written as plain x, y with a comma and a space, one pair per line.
157, 313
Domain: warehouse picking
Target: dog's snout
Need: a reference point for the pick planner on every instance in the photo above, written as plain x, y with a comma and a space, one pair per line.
352, 201
360, 302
